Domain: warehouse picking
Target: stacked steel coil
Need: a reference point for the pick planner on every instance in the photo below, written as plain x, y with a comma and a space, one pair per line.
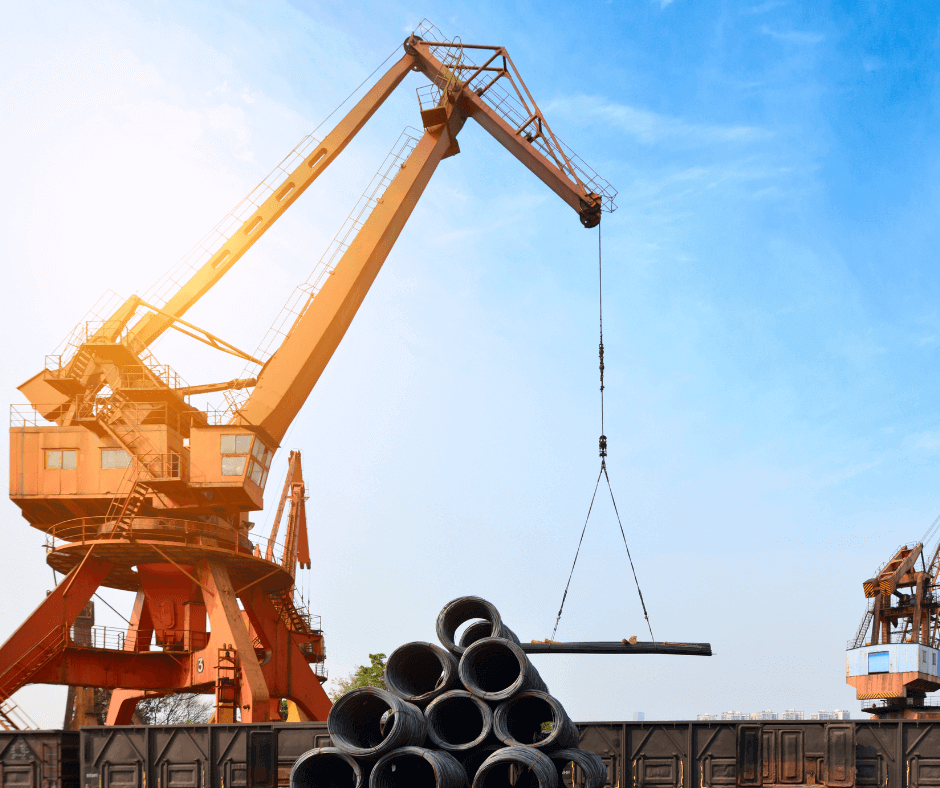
473, 713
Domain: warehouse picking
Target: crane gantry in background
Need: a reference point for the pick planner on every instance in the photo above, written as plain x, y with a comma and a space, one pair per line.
138, 489
893, 658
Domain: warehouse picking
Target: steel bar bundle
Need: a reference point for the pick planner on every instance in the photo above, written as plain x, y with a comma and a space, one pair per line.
502, 728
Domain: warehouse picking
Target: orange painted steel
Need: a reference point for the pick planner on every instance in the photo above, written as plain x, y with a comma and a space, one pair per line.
137, 489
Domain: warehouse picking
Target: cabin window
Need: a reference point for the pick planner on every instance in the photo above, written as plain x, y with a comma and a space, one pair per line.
64, 459
878, 662
235, 449
260, 463
115, 458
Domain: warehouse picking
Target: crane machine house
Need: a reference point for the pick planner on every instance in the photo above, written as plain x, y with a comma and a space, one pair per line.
138, 489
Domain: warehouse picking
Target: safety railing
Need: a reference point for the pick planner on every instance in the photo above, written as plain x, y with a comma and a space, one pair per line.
25, 415
118, 639
89, 530
895, 638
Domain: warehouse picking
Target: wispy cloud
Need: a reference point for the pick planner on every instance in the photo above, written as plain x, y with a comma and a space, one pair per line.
763, 8
664, 3
651, 127
793, 36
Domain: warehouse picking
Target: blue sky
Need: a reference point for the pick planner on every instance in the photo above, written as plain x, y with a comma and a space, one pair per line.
771, 317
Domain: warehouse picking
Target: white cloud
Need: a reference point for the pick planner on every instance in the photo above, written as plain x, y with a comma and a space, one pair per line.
793, 36
763, 8
650, 127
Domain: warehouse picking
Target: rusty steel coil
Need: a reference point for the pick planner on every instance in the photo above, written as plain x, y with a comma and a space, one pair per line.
458, 721
328, 767
589, 769
416, 767
495, 669
419, 672
520, 720
517, 766
484, 629
459, 611
368, 722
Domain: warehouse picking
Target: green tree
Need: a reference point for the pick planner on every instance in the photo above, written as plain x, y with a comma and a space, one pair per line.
371, 675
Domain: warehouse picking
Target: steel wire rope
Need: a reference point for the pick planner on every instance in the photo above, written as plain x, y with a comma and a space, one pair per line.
602, 447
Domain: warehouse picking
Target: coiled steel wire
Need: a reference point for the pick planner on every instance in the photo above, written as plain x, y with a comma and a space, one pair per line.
419, 672
458, 721
473, 759
459, 611
416, 767
328, 767
590, 771
495, 669
520, 721
368, 722
484, 629
517, 766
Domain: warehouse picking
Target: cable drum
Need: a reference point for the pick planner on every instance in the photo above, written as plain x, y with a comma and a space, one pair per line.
484, 629
517, 766
416, 767
495, 669
368, 722
518, 721
419, 672
458, 721
588, 768
327, 767
463, 609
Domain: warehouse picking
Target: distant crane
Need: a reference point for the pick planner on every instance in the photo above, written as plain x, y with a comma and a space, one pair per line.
893, 659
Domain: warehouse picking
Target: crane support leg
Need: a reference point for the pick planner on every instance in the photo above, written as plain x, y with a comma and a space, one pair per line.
43, 636
285, 383
123, 702
288, 674
228, 628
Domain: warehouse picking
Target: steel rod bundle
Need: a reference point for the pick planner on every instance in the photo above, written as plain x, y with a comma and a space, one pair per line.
327, 767
419, 672
593, 771
368, 722
520, 721
495, 669
416, 767
517, 766
467, 608
458, 721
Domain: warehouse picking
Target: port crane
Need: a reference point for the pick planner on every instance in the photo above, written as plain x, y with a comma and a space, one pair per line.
137, 488
892, 661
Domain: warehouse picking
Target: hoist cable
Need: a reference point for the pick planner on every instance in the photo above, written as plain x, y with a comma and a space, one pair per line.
602, 447
571, 574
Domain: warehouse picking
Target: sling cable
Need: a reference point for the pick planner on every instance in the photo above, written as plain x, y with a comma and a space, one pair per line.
602, 449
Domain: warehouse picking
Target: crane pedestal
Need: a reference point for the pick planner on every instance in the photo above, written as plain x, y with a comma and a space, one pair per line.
187, 632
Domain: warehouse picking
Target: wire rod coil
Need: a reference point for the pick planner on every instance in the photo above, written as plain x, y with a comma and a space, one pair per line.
419, 672
328, 767
495, 669
416, 767
484, 629
473, 759
517, 766
519, 720
593, 770
458, 721
461, 610
368, 722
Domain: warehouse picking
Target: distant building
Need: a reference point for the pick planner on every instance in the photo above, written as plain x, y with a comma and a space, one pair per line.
639, 716
707, 717
766, 714
838, 714
735, 715
792, 714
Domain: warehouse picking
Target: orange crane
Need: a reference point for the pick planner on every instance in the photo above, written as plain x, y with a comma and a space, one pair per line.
892, 662
138, 489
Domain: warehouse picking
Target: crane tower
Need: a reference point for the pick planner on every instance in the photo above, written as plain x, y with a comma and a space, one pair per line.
136, 488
